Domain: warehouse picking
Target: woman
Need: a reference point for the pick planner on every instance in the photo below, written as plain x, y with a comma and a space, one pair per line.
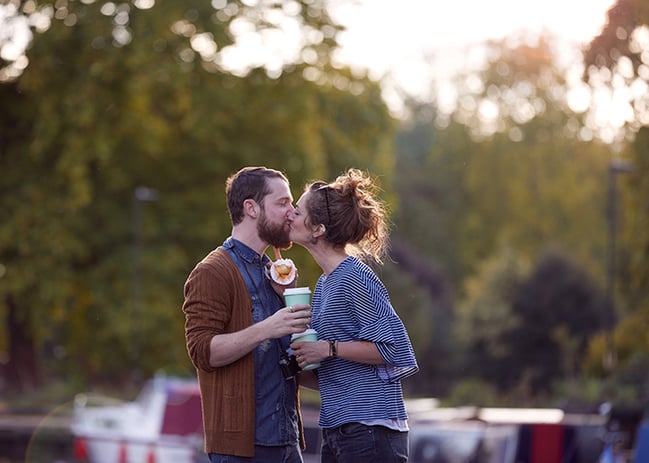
363, 347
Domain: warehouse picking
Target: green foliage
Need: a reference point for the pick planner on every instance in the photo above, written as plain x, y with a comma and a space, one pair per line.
485, 315
92, 275
431, 166
633, 277
523, 331
102, 109
617, 56
496, 195
631, 336
558, 308
424, 308
472, 391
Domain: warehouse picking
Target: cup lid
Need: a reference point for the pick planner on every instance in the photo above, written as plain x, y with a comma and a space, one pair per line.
301, 290
304, 333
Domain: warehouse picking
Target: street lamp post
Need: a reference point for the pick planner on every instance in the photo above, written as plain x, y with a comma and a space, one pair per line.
140, 195
616, 166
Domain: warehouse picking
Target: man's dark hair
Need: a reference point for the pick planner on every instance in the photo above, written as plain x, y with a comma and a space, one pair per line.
248, 183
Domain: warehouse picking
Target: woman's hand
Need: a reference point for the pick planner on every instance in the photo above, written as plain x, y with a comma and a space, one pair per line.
356, 351
310, 352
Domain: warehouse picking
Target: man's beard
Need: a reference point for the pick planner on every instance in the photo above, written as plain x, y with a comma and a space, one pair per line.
274, 234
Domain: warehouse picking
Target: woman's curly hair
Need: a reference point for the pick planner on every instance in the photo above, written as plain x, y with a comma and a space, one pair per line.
354, 216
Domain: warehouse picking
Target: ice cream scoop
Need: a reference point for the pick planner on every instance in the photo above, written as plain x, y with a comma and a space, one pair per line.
283, 271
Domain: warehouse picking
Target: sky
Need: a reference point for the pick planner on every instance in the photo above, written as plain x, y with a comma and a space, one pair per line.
411, 42
408, 44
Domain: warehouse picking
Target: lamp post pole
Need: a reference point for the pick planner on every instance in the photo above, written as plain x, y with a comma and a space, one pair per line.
140, 195
615, 167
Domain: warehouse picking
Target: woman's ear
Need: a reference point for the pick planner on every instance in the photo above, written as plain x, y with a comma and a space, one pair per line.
319, 231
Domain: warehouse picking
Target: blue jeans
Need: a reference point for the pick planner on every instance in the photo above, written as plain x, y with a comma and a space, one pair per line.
263, 454
358, 443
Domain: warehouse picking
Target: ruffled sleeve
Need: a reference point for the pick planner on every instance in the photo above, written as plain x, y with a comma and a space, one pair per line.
379, 323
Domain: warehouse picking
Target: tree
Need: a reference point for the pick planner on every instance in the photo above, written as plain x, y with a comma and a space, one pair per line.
485, 315
558, 303
512, 169
430, 177
141, 102
194, 28
423, 295
623, 41
530, 183
633, 277
616, 40
616, 62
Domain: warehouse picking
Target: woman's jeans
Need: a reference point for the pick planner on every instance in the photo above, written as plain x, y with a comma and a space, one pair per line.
358, 443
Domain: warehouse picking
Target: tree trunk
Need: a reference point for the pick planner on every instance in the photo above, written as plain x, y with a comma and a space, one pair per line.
22, 371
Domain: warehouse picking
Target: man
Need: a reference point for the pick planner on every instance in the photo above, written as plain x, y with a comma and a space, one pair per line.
236, 329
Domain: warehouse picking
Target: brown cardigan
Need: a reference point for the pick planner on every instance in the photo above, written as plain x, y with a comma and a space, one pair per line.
217, 301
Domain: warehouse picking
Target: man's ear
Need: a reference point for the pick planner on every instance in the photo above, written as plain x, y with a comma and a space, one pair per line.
251, 208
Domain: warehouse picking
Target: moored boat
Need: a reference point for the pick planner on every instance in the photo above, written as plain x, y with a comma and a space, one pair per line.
163, 425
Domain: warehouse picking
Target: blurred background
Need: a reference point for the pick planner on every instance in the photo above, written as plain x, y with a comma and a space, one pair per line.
515, 164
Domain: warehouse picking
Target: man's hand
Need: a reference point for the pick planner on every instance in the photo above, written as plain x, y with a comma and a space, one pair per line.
289, 320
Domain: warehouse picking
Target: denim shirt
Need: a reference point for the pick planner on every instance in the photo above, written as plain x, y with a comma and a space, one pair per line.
275, 408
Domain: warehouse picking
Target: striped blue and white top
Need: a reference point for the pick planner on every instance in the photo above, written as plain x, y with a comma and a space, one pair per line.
352, 304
